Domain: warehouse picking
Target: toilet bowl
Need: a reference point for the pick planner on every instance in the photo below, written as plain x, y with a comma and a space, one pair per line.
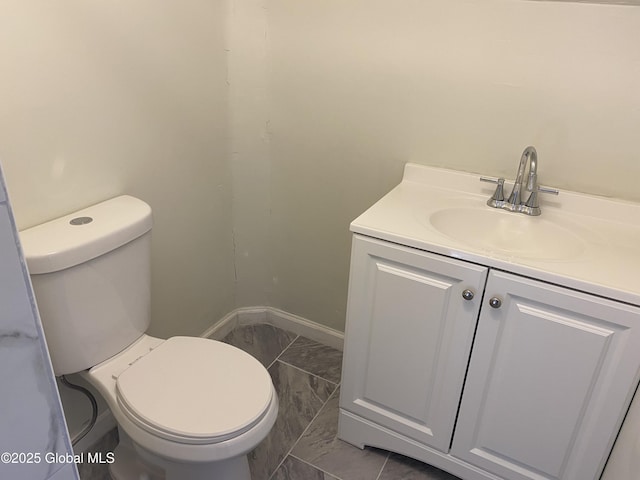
226, 404
187, 408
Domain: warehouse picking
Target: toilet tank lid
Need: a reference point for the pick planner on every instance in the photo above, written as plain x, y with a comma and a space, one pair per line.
84, 235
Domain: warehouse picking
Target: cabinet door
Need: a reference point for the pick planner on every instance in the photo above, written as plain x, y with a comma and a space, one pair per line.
408, 338
551, 376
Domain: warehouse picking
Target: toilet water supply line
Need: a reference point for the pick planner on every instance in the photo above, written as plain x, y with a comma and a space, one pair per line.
94, 408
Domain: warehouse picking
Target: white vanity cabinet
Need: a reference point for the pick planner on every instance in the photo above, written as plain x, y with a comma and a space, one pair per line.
551, 374
408, 337
547, 378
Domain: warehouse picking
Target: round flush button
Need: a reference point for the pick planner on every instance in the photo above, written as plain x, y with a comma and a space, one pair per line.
81, 220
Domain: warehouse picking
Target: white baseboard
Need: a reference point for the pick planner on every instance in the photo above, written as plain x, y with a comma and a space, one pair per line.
306, 328
277, 318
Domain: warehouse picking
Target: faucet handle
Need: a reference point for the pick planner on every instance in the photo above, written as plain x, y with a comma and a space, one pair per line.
491, 179
550, 190
531, 206
498, 195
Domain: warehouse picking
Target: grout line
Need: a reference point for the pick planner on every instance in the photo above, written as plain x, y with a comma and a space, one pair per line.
283, 350
307, 372
294, 443
314, 418
303, 432
337, 385
315, 466
278, 466
383, 465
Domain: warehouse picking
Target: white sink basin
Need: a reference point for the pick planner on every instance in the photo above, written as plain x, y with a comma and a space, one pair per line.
509, 233
581, 241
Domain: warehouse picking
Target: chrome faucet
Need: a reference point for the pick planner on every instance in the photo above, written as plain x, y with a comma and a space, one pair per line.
530, 207
514, 203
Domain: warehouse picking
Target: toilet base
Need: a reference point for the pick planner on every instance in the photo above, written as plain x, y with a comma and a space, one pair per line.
127, 466
134, 463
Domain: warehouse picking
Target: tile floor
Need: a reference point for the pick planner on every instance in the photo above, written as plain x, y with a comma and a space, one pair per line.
302, 444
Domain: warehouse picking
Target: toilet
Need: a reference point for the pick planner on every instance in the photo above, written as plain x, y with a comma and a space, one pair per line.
187, 408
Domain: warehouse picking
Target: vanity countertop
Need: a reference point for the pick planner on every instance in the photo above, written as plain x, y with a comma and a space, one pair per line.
579, 241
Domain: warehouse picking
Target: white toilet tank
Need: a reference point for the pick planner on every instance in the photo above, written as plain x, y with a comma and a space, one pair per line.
91, 276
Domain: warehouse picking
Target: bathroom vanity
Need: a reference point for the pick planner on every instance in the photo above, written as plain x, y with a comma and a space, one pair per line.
488, 343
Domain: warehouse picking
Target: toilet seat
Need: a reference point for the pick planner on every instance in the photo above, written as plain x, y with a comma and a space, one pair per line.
195, 391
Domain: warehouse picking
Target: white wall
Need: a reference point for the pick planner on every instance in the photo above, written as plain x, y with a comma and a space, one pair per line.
104, 98
249, 147
259, 129
266, 126
356, 88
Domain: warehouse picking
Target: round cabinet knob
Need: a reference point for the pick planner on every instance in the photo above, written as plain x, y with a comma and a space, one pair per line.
468, 294
495, 302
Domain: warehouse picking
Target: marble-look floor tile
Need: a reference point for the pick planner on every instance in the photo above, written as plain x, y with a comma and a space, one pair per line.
300, 397
265, 342
320, 447
295, 469
315, 358
409, 469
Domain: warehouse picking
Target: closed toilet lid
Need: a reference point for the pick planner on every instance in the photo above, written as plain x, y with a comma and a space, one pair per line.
195, 390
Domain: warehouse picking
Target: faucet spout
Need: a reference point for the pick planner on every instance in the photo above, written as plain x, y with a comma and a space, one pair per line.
514, 203
530, 158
